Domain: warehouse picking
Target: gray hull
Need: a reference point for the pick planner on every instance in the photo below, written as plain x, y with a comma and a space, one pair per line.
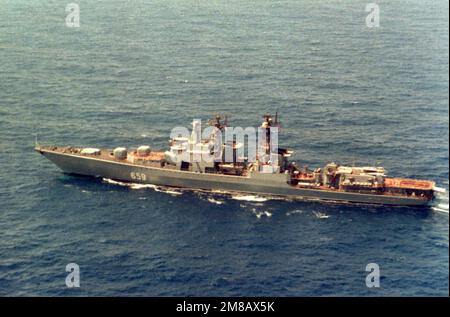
255, 183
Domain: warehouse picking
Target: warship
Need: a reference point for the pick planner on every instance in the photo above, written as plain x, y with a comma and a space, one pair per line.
270, 173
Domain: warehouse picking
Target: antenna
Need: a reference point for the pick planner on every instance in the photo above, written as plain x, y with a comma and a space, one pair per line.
216, 122
277, 123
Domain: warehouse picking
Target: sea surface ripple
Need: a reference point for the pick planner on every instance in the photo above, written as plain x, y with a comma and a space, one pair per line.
134, 70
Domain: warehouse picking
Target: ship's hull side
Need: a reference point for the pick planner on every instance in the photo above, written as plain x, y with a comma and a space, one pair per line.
255, 183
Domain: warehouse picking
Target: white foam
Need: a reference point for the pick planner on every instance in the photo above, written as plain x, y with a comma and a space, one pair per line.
443, 206
143, 186
440, 210
259, 214
440, 189
213, 201
249, 198
110, 181
321, 215
293, 212
441, 203
442, 197
167, 191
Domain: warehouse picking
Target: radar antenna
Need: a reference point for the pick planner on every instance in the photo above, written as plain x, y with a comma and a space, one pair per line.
216, 122
268, 120
277, 123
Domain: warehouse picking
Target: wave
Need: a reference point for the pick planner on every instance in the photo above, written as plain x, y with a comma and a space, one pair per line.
214, 201
259, 214
321, 215
249, 198
440, 209
293, 212
156, 188
441, 203
110, 181
441, 197
440, 189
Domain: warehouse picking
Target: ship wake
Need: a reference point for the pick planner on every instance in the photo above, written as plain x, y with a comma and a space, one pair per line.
250, 198
321, 215
441, 202
160, 189
259, 213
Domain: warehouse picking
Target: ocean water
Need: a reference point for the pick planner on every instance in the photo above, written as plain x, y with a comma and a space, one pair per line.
135, 69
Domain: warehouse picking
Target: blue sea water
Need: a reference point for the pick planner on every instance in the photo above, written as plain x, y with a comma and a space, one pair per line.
135, 69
